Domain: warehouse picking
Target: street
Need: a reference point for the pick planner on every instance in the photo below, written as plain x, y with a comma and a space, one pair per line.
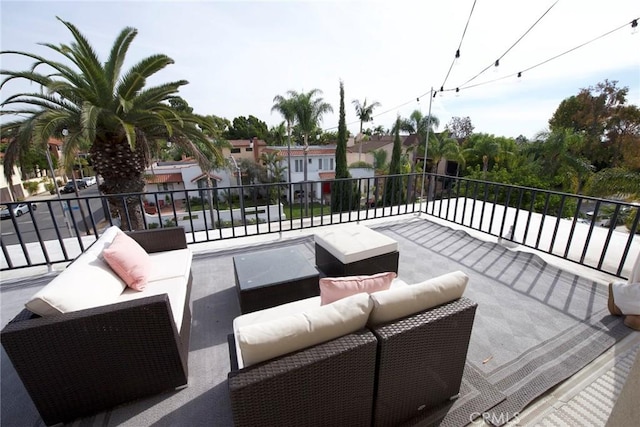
49, 213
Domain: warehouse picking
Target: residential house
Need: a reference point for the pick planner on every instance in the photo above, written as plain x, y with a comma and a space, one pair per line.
249, 149
173, 176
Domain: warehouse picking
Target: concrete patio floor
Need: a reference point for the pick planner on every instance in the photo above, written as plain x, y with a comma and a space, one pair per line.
598, 384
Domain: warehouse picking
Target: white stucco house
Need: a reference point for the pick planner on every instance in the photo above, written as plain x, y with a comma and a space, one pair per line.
178, 176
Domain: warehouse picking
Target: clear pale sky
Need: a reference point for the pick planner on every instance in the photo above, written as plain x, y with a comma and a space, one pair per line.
238, 55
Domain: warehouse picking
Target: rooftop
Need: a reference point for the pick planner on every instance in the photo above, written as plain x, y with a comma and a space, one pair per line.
542, 338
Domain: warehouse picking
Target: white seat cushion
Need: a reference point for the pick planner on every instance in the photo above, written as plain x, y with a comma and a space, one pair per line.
351, 243
174, 287
264, 341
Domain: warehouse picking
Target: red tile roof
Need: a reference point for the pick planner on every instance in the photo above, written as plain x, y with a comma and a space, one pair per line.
163, 178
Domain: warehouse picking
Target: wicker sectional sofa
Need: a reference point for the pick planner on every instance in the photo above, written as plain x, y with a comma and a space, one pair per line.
75, 361
386, 373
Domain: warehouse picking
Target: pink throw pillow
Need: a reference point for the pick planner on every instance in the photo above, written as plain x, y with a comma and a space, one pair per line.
335, 288
129, 261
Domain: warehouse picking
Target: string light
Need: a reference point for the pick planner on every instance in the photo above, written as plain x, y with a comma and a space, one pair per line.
634, 26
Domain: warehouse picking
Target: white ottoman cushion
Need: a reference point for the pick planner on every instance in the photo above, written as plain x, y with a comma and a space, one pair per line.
351, 243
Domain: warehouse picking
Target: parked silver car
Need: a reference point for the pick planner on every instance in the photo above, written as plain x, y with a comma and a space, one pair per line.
19, 209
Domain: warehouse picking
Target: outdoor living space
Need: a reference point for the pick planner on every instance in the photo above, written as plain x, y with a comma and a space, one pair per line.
541, 339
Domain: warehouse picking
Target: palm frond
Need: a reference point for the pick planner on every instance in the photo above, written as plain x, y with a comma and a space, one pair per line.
118, 53
135, 79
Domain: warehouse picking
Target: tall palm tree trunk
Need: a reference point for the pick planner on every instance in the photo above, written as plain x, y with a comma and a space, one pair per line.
306, 184
122, 170
290, 195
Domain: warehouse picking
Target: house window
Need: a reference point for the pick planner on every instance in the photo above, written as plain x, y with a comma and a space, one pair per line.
165, 187
248, 149
331, 164
299, 165
319, 164
310, 160
235, 150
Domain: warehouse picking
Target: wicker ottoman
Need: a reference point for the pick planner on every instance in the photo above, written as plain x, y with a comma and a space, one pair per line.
352, 250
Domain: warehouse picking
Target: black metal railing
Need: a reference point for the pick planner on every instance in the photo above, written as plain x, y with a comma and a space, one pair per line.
594, 232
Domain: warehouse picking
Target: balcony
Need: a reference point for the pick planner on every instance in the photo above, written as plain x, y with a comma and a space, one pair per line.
542, 342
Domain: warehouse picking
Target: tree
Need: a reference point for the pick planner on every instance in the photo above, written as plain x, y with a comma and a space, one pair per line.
365, 114
343, 196
380, 161
600, 114
484, 147
278, 135
421, 126
614, 182
441, 146
247, 128
272, 162
552, 151
113, 112
393, 188
286, 107
309, 108
460, 127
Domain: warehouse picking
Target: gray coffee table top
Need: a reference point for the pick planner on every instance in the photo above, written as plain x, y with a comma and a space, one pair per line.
271, 267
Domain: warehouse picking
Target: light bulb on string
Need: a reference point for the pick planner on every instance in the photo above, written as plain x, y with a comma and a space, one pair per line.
457, 92
458, 57
496, 65
519, 77
634, 26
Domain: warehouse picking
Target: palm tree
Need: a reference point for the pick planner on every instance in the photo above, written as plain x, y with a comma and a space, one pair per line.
286, 107
380, 161
484, 147
441, 146
552, 150
278, 134
615, 182
365, 114
309, 108
112, 112
421, 126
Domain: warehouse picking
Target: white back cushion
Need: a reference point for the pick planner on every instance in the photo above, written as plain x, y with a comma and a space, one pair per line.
399, 302
88, 282
263, 341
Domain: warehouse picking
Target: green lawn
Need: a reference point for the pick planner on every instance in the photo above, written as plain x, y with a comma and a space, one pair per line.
315, 209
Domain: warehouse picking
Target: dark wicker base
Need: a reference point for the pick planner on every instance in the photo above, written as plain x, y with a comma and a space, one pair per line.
255, 299
80, 363
421, 360
332, 267
330, 384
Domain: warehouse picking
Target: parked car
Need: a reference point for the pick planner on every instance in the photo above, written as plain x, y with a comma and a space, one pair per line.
19, 209
68, 187
90, 180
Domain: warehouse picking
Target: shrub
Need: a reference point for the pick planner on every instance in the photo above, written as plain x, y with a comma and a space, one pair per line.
31, 186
